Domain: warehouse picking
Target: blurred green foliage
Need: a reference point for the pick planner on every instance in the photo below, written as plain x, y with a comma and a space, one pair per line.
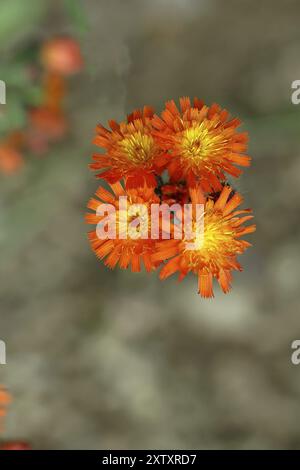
76, 12
22, 91
17, 19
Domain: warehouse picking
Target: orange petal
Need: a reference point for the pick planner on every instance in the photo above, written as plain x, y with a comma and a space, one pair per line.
234, 202
169, 268
224, 279
246, 230
205, 285
135, 263
222, 200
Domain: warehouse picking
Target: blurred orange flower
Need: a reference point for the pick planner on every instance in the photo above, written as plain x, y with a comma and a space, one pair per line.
52, 124
62, 55
15, 446
5, 400
46, 126
11, 159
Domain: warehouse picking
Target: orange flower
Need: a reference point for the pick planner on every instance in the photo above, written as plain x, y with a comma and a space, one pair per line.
18, 445
47, 125
217, 253
202, 143
131, 151
11, 158
62, 55
123, 249
5, 400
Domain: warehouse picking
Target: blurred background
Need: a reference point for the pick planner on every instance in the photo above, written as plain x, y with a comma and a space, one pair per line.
109, 359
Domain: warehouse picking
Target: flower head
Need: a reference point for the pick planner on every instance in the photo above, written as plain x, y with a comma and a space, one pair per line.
216, 255
131, 243
202, 142
131, 151
11, 159
62, 55
47, 125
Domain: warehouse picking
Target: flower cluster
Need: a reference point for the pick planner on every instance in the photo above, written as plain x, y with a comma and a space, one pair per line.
41, 93
182, 157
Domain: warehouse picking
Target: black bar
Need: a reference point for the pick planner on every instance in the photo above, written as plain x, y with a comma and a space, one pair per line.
136, 458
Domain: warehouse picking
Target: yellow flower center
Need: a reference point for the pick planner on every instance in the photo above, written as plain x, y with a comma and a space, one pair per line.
213, 246
201, 142
138, 147
133, 222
